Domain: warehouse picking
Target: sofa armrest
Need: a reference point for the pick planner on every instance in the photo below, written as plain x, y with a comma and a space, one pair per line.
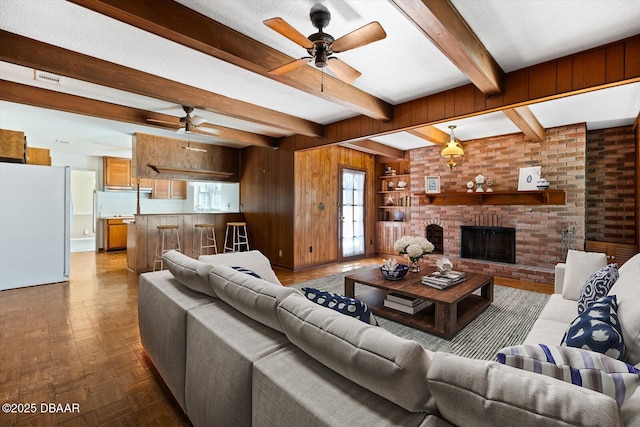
559, 278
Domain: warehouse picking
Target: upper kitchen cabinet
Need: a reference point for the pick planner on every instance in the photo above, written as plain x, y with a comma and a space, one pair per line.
168, 189
12, 146
117, 172
38, 156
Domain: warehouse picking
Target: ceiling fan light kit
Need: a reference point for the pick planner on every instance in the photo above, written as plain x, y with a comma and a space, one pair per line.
452, 150
321, 46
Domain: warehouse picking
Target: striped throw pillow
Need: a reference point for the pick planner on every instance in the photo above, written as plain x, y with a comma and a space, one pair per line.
584, 368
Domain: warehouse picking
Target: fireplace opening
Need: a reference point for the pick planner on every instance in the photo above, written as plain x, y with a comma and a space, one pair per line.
435, 235
489, 243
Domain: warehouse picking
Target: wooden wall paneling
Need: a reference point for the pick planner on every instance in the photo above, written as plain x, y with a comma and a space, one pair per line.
589, 69
516, 87
614, 63
542, 80
188, 165
479, 100
450, 103
266, 194
316, 181
632, 58
435, 107
564, 73
464, 98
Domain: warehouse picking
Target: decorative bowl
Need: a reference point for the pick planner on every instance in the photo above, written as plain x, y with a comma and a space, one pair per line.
542, 184
397, 274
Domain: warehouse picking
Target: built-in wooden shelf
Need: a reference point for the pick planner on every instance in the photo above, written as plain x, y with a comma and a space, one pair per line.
536, 197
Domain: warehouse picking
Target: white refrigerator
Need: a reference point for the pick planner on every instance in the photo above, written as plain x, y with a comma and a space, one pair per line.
35, 225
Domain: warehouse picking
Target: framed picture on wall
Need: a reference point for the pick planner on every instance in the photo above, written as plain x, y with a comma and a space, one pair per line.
528, 179
431, 184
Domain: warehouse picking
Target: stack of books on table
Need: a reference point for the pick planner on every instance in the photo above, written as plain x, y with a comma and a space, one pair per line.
404, 303
444, 280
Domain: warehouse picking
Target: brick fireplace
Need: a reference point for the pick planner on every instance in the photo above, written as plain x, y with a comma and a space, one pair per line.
542, 231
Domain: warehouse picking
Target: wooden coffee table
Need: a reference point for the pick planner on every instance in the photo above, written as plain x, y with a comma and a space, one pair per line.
452, 309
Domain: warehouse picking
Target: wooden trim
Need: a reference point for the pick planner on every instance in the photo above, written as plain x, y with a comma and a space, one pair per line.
189, 28
442, 24
31, 95
562, 77
31, 53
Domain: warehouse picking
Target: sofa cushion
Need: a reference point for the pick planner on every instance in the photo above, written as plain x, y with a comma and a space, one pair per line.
579, 266
290, 388
163, 305
477, 393
190, 272
597, 286
372, 357
253, 260
253, 297
222, 346
583, 368
345, 305
627, 290
597, 329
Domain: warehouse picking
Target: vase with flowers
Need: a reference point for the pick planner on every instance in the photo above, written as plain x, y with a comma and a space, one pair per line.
414, 248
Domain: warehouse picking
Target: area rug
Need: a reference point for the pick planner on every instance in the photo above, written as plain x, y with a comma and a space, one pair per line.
505, 322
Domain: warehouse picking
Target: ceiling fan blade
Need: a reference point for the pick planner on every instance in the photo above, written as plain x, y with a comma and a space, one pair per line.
281, 26
164, 122
206, 130
362, 36
197, 120
342, 70
290, 66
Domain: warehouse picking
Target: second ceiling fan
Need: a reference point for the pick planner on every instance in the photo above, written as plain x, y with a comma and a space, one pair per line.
321, 46
190, 124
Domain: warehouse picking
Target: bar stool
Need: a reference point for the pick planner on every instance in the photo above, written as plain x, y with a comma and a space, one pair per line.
170, 234
207, 238
239, 237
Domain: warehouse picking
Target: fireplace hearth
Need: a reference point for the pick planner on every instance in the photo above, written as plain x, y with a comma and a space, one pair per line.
489, 243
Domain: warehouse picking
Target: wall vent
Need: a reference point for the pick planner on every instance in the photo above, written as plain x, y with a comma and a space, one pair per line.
43, 76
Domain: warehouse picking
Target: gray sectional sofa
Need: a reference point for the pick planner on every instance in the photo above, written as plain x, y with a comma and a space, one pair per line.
237, 350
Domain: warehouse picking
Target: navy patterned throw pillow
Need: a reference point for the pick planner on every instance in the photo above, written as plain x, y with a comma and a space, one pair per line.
345, 305
597, 329
597, 286
246, 271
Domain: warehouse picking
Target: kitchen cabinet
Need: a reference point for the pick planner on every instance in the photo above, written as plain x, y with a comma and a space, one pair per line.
38, 156
116, 234
12, 146
117, 172
168, 189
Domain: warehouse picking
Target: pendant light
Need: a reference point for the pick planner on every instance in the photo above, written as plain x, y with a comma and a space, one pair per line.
452, 150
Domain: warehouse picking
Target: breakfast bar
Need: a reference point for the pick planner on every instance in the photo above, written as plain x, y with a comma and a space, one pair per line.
142, 234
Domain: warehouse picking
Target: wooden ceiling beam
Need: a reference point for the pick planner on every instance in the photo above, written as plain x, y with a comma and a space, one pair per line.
442, 24
372, 147
45, 98
607, 66
31, 53
527, 122
431, 134
173, 21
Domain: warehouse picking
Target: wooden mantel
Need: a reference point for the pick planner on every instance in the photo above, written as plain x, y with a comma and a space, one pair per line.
536, 197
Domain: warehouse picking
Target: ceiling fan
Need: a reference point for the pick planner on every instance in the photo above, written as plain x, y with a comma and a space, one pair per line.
189, 124
321, 46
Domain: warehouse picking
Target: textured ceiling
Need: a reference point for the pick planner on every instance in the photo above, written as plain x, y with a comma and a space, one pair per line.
402, 67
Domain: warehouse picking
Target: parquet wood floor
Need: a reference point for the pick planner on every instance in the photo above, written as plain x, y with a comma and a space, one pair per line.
77, 343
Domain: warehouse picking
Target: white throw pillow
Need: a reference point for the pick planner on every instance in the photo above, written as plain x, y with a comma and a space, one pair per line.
253, 260
579, 266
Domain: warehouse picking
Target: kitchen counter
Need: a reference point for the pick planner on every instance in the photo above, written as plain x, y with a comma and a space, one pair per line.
142, 234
